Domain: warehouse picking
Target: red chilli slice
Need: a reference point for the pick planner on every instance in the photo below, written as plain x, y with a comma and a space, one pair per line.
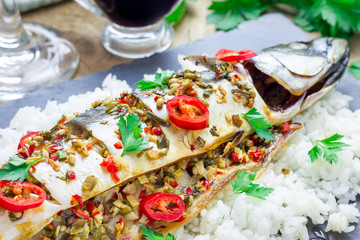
19, 203
24, 149
227, 55
187, 112
162, 206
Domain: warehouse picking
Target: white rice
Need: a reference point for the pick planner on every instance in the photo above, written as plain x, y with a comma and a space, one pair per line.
319, 191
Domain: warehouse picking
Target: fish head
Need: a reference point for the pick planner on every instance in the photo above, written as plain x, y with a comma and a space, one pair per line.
292, 77
288, 78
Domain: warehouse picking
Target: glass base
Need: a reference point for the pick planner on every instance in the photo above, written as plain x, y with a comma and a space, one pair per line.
137, 42
49, 60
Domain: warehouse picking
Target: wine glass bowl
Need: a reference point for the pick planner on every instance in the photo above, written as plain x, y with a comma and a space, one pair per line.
32, 56
137, 28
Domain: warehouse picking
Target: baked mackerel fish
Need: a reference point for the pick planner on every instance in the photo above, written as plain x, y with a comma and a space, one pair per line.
195, 112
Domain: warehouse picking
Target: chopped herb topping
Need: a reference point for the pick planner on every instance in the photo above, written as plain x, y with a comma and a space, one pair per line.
130, 130
259, 124
244, 184
150, 235
213, 131
16, 169
161, 80
327, 148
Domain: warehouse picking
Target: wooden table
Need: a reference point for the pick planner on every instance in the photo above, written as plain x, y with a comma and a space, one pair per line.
84, 30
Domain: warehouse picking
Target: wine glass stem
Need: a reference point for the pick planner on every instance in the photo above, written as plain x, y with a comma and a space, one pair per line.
12, 33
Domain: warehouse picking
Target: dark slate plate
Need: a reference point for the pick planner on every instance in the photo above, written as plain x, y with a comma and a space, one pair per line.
267, 31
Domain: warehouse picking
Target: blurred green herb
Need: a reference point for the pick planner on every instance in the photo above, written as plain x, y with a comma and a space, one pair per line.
354, 69
340, 18
177, 14
228, 14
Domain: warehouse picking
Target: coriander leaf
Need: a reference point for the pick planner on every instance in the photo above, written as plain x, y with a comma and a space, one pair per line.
16, 169
130, 130
150, 235
327, 149
161, 80
244, 184
259, 124
354, 69
228, 14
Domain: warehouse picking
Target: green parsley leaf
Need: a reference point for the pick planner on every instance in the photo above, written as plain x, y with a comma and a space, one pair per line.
130, 130
259, 124
150, 235
228, 14
16, 169
327, 148
354, 69
244, 184
161, 80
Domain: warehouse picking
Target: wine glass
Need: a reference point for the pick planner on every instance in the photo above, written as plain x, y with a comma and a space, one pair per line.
31, 55
137, 28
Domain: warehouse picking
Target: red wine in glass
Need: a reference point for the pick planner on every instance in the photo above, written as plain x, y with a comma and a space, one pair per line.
135, 13
136, 28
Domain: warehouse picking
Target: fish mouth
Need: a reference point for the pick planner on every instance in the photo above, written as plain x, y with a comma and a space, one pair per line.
280, 99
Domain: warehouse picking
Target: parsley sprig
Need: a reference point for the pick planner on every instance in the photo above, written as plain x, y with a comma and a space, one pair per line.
354, 69
244, 184
130, 130
340, 18
327, 149
16, 169
259, 124
150, 235
161, 80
